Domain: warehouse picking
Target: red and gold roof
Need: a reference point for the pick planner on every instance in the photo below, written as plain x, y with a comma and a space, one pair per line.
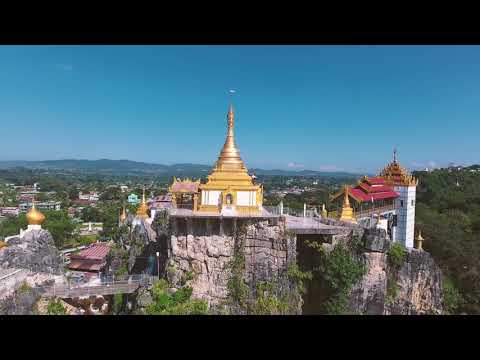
369, 189
395, 174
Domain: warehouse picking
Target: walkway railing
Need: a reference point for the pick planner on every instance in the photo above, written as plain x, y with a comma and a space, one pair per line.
108, 285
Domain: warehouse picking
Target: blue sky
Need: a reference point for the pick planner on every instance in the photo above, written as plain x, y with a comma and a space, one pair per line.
311, 107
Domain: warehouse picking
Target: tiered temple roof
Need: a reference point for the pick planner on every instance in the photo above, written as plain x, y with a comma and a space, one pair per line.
369, 189
397, 175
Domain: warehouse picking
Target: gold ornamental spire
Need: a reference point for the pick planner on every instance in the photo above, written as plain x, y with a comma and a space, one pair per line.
229, 158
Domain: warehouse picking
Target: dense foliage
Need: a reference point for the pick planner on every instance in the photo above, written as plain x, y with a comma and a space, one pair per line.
448, 213
166, 302
55, 307
339, 271
397, 255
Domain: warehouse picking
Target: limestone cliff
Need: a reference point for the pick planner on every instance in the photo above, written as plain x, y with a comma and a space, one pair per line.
205, 258
34, 251
416, 284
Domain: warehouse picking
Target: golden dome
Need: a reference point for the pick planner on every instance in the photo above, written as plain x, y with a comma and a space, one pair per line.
35, 217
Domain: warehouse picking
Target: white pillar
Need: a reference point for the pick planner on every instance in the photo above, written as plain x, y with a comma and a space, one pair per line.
304, 209
281, 207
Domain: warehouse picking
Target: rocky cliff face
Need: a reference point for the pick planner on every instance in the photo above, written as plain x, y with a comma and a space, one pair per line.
34, 251
417, 283
205, 262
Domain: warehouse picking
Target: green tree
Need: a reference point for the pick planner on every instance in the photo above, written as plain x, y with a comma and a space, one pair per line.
55, 307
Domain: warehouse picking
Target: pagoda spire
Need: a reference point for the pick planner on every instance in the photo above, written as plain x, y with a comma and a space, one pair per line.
229, 158
395, 154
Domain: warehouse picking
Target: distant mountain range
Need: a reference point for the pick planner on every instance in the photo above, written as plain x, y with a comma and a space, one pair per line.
128, 167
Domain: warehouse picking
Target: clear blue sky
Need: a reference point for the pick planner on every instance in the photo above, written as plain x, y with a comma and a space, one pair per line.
312, 107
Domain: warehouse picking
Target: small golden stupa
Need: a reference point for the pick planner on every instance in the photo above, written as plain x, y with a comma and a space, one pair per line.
346, 213
420, 240
229, 184
35, 217
123, 215
324, 211
142, 211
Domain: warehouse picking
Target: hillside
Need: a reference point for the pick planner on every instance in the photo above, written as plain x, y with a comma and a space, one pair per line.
448, 213
128, 167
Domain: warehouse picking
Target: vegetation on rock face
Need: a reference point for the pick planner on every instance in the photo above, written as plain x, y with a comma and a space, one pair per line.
448, 213
340, 271
55, 307
167, 302
451, 297
298, 277
397, 255
267, 301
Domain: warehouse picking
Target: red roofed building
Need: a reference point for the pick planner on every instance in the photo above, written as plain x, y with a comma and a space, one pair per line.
93, 258
370, 196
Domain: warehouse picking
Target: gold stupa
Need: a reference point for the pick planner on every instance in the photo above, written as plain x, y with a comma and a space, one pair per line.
346, 213
229, 183
142, 211
35, 217
123, 215
419, 240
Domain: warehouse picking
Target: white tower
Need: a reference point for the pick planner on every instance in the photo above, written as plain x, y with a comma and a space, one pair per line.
406, 186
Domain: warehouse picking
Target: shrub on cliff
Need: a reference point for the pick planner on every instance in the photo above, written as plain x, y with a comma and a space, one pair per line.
340, 271
176, 303
55, 307
451, 297
397, 255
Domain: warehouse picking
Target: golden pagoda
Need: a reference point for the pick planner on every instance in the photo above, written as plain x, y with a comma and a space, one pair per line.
419, 240
396, 175
142, 211
346, 214
35, 217
229, 186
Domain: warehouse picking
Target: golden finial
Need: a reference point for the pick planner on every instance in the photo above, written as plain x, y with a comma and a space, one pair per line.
34, 217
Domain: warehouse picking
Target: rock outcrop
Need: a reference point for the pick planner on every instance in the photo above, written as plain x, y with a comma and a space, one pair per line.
205, 261
34, 251
417, 283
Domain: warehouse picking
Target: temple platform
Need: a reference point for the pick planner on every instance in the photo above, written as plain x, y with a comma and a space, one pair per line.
309, 225
181, 212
